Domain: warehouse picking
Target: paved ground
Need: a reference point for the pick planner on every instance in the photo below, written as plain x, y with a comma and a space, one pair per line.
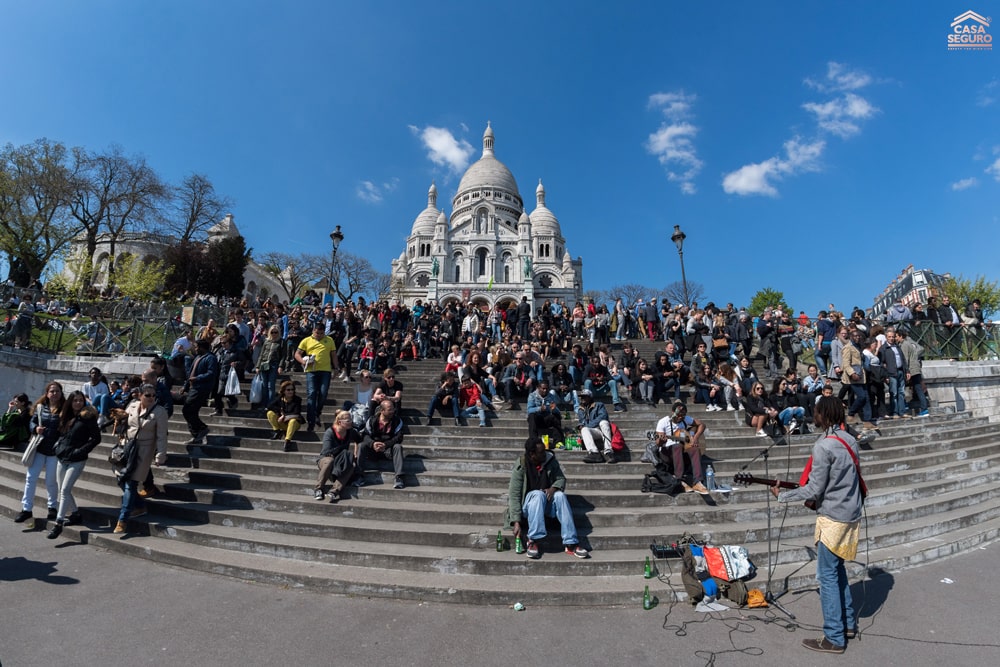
69, 604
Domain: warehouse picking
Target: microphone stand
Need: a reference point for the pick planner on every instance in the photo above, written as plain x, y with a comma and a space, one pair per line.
770, 597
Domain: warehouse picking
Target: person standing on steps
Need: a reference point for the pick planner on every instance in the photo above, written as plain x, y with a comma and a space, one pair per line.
79, 434
147, 423
833, 481
200, 384
44, 421
318, 355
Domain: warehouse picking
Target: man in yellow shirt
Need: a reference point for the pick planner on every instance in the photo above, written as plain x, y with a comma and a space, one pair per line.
318, 355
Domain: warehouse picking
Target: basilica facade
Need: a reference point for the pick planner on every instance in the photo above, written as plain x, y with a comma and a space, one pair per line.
491, 250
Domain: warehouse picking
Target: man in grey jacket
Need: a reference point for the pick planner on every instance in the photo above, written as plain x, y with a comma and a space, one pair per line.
836, 488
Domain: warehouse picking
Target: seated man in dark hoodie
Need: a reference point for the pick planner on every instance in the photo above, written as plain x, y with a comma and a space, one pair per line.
537, 490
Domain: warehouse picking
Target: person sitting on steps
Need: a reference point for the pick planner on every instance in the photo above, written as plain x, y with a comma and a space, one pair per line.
537, 490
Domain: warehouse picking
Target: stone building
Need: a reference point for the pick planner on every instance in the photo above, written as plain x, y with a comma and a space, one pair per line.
147, 247
491, 250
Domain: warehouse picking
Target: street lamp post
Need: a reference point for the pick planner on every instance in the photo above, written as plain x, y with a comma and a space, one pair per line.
336, 236
678, 238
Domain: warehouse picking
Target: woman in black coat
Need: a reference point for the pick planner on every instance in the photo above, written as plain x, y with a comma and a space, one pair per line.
79, 435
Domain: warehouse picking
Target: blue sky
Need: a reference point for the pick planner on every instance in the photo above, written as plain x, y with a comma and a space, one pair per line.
813, 147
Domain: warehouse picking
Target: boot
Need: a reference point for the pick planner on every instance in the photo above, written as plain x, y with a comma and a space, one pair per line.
56, 530
120, 528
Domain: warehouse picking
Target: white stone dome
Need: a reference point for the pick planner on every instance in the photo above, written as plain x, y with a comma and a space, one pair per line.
488, 171
543, 221
424, 224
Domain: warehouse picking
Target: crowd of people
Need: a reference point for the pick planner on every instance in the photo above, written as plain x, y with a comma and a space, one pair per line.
557, 362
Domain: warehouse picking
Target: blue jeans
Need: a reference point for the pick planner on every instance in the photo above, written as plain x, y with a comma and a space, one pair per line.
436, 402
50, 465
860, 403
129, 499
822, 355
270, 379
917, 383
317, 387
569, 397
536, 507
788, 414
834, 595
474, 411
897, 394
610, 386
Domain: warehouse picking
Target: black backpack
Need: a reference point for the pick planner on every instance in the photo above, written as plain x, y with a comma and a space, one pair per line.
660, 480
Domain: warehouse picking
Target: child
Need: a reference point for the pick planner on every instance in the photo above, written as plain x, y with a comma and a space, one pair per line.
454, 360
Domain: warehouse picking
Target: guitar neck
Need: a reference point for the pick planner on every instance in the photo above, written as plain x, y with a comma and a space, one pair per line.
742, 478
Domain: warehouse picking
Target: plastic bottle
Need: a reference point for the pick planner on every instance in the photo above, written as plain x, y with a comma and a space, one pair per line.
647, 602
499, 540
710, 478
648, 571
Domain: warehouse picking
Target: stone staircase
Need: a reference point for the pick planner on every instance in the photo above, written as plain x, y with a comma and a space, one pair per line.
242, 507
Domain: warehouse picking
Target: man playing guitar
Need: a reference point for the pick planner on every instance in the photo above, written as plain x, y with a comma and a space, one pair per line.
677, 434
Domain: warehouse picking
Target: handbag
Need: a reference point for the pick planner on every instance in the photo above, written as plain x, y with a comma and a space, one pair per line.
29, 452
232, 384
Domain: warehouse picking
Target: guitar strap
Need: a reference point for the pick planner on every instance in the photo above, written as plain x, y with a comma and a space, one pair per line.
804, 478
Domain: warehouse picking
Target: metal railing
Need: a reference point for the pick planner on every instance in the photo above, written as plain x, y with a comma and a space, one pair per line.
90, 335
963, 343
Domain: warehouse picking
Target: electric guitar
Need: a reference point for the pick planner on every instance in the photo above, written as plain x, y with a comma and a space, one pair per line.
746, 479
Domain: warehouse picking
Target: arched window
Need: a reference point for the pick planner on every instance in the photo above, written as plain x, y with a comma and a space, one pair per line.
506, 273
481, 262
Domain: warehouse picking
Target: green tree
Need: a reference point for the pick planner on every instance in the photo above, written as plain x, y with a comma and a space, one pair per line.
35, 193
138, 280
185, 263
226, 261
963, 290
767, 297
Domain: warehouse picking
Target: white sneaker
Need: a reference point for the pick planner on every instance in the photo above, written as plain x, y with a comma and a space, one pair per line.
761, 434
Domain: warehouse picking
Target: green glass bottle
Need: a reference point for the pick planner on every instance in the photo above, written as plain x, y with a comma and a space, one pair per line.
518, 545
648, 571
499, 540
647, 602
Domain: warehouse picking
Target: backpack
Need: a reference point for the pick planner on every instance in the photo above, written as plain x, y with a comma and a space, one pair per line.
696, 584
659, 480
617, 439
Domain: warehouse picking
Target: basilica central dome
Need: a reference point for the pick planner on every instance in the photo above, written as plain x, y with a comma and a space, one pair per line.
488, 172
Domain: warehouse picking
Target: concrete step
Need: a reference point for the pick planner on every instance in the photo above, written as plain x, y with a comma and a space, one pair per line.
445, 585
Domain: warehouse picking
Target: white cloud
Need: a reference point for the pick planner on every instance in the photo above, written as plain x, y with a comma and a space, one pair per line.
372, 193
840, 77
756, 179
841, 116
673, 142
965, 183
443, 148
994, 170
987, 95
